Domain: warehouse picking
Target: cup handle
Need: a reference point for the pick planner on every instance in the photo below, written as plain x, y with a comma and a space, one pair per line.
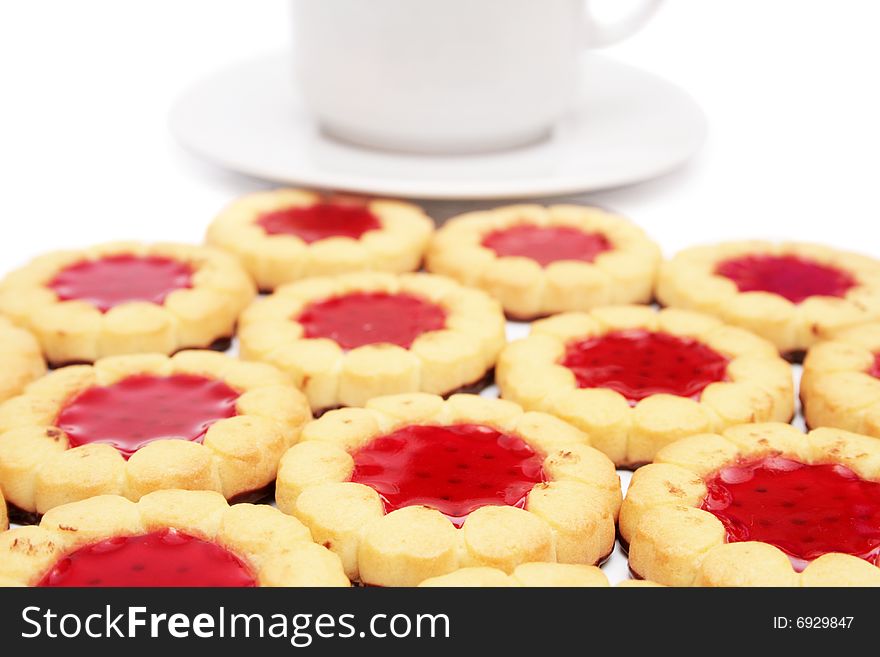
600, 34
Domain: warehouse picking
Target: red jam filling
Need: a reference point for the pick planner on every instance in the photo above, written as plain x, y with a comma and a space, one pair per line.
163, 558
804, 510
874, 370
142, 408
639, 363
361, 318
793, 277
319, 221
455, 469
547, 244
117, 279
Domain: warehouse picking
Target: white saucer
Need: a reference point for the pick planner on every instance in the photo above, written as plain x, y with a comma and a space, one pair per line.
629, 126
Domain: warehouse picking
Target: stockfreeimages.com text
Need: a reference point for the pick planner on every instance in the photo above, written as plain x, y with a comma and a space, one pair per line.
300, 629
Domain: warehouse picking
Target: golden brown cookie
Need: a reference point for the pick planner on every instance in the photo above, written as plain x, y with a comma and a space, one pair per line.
414, 486
635, 379
349, 338
285, 235
840, 386
793, 294
536, 574
168, 538
4, 515
758, 505
126, 297
541, 260
638, 584
21, 358
130, 425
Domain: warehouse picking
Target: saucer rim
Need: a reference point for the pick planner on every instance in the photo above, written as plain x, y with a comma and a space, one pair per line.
437, 188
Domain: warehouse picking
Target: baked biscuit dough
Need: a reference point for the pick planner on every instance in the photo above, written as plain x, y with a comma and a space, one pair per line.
674, 541
850, 284
755, 386
76, 330
21, 357
617, 262
457, 352
567, 517
395, 240
239, 454
840, 385
537, 574
276, 549
4, 515
527, 574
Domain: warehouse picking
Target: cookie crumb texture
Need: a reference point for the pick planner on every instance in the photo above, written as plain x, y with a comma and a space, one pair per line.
758, 505
414, 486
168, 538
542, 260
793, 294
635, 379
535, 574
22, 359
130, 425
4, 513
840, 386
349, 338
126, 297
286, 235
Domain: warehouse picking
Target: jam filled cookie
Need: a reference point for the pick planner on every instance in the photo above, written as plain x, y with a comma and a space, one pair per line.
634, 379
349, 338
538, 261
21, 358
759, 505
288, 234
792, 294
125, 298
129, 425
168, 538
413, 487
840, 386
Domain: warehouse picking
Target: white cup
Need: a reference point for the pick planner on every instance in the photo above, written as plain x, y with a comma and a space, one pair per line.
445, 75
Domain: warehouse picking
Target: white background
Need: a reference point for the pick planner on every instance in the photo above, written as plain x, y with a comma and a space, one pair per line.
790, 88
